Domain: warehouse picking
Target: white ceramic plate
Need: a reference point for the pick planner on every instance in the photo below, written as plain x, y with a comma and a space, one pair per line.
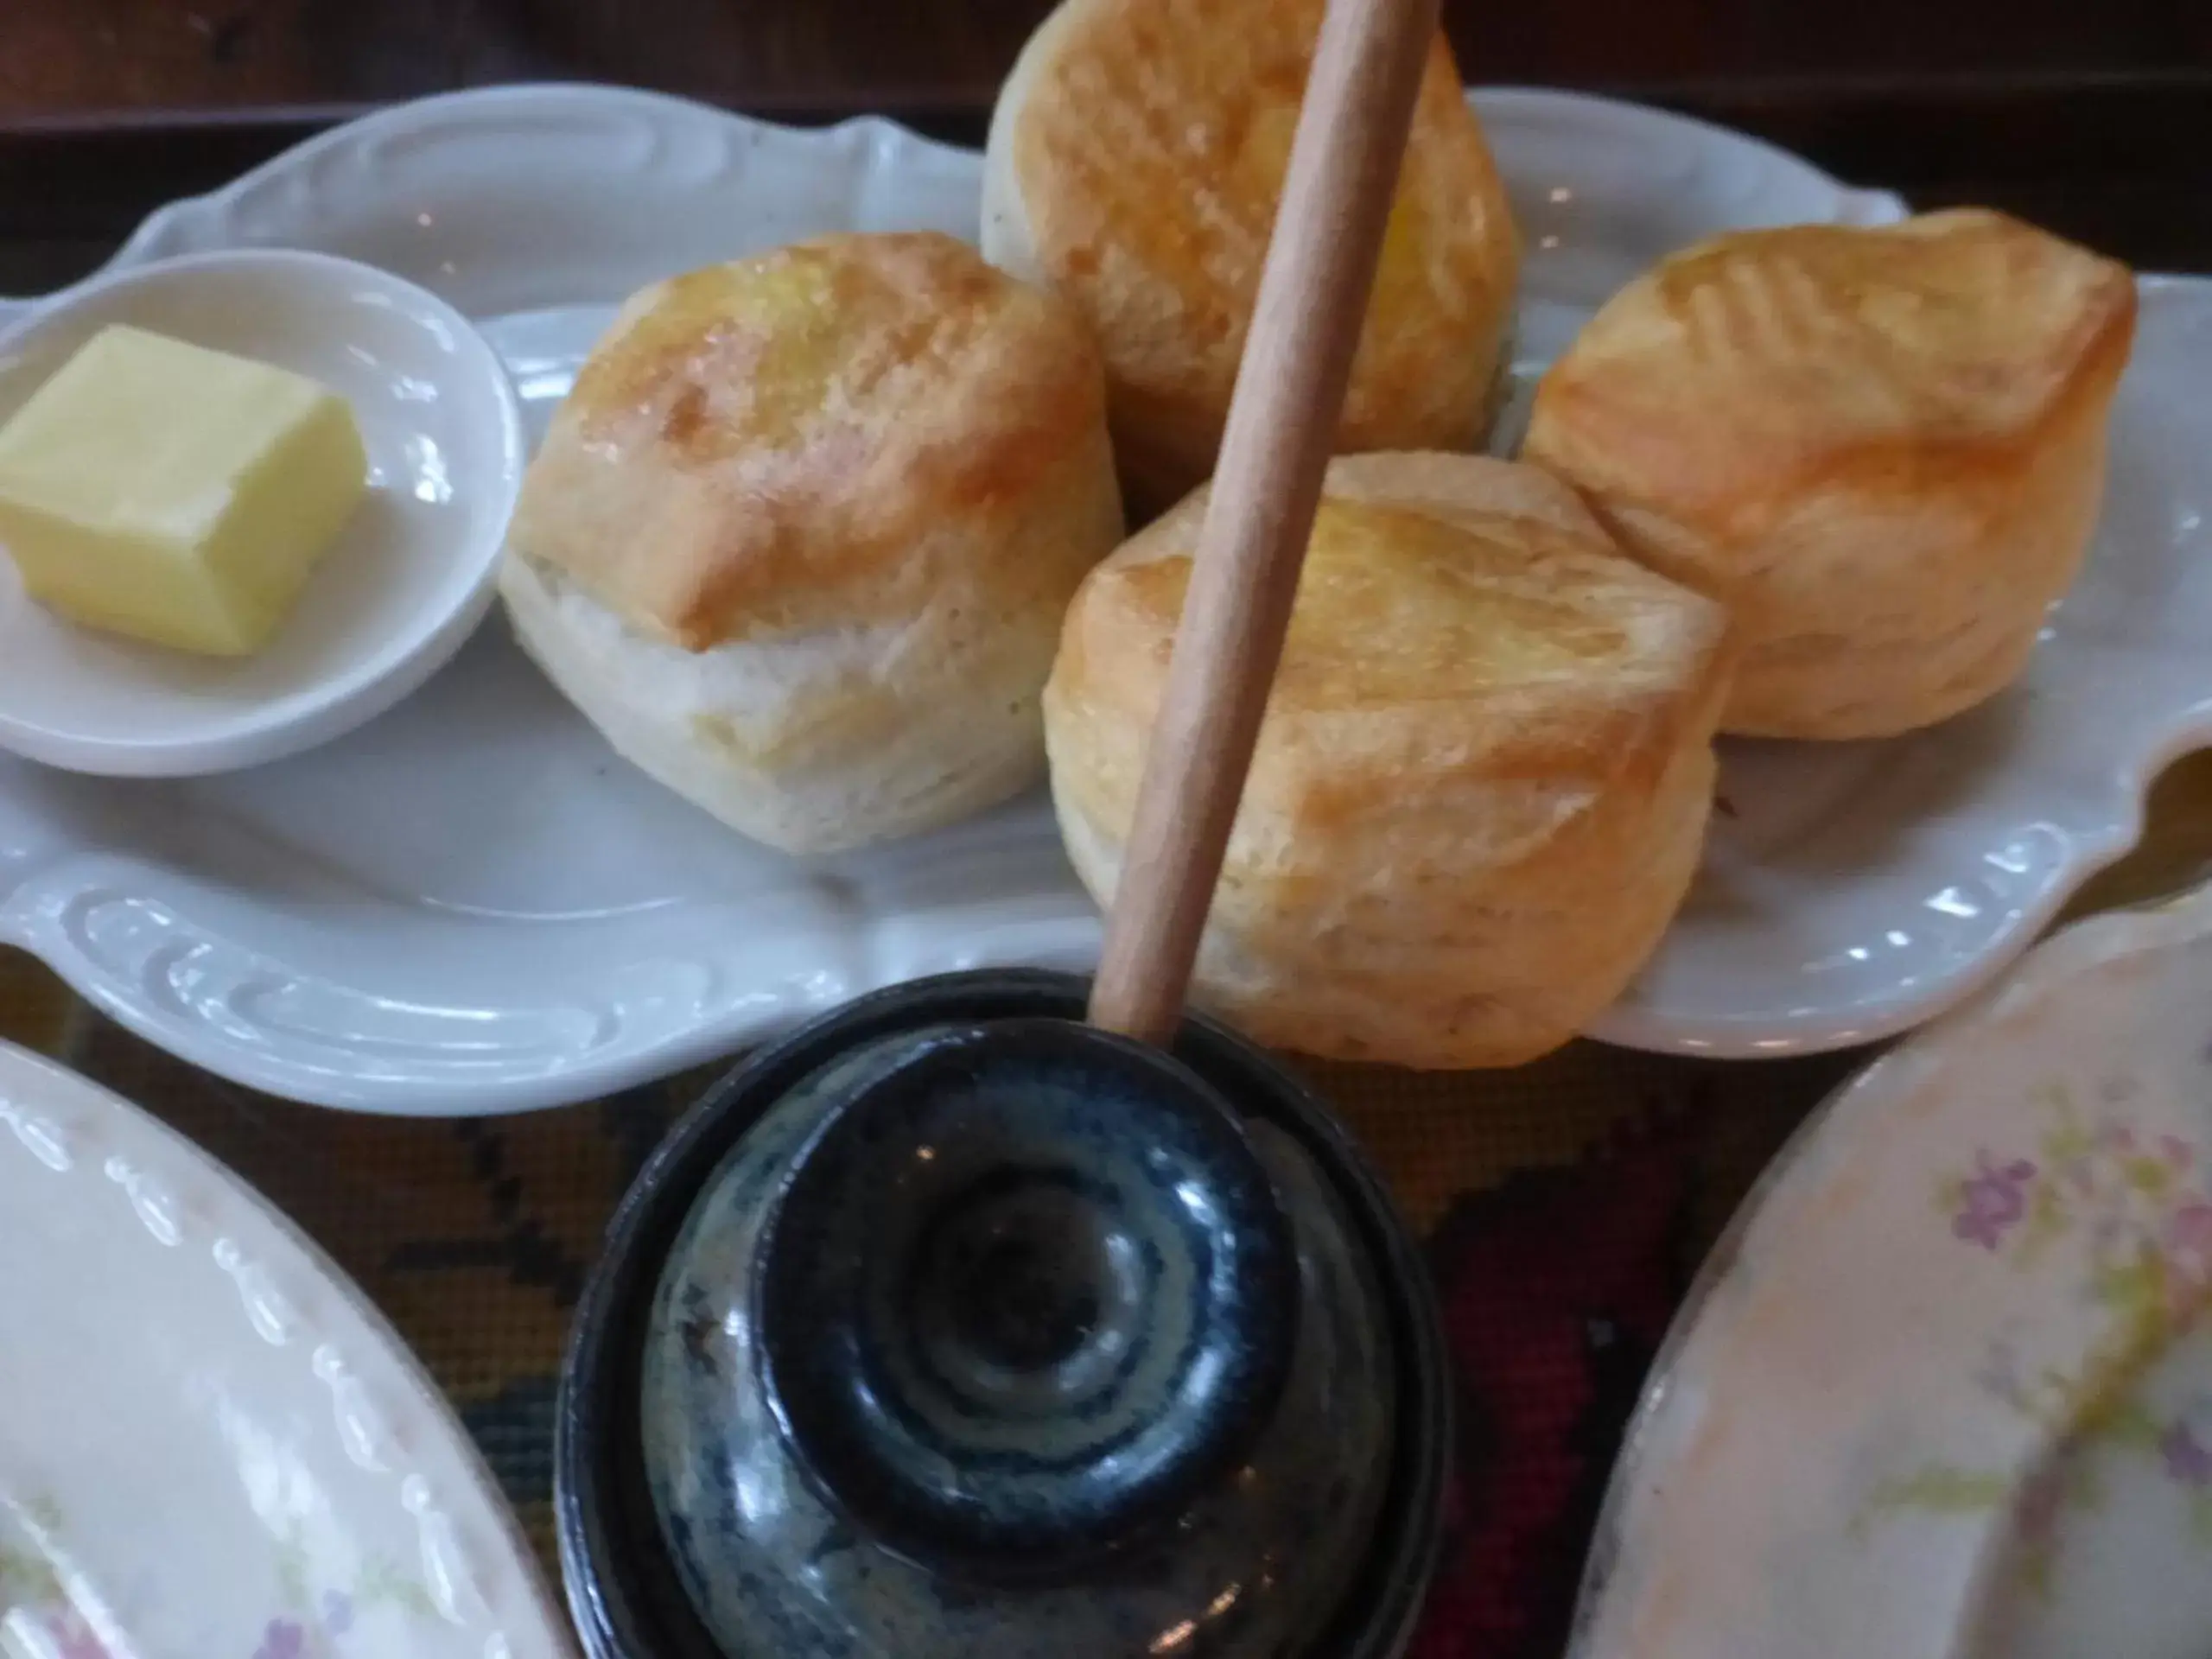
1945, 1391
210, 1443
472, 906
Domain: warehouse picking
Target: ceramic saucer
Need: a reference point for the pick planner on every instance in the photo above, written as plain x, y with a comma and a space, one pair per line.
1946, 1387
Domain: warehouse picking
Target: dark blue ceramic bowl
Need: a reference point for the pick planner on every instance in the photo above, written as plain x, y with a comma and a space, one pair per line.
931, 1330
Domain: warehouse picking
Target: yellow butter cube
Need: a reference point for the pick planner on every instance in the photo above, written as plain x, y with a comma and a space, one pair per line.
174, 493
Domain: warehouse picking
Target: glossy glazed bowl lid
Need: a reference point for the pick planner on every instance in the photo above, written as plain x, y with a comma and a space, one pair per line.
1027, 1293
614, 1490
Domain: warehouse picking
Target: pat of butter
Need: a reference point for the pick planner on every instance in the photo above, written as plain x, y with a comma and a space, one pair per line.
174, 493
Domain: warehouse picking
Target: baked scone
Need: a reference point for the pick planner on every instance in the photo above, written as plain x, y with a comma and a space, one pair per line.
1482, 783
1884, 448
1137, 156
799, 540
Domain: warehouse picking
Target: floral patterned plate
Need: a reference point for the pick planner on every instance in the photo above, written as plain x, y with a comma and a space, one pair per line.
211, 1446
1946, 1388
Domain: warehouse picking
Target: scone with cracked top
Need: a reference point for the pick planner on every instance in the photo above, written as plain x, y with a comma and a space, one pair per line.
1883, 448
799, 540
1137, 156
1482, 784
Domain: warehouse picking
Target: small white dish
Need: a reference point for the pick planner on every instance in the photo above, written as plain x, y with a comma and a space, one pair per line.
408, 579
1944, 1390
210, 1442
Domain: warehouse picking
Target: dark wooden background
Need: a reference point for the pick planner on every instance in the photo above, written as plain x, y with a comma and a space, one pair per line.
70, 57
2092, 116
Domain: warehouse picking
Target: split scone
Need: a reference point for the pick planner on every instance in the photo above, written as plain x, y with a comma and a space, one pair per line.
1136, 155
1884, 448
1482, 783
800, 539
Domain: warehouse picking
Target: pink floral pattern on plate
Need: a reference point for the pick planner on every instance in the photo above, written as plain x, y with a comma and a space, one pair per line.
312, 1626
2134, 1210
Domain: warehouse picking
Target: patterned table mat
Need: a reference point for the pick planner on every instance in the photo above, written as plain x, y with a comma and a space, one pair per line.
1567, 1205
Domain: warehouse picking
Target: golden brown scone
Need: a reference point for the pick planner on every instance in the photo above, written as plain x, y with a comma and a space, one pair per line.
1482, 784
800, 539
1135, 158
1884, 448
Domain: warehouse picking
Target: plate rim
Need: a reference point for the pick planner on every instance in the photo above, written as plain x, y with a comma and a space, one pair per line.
226, 1209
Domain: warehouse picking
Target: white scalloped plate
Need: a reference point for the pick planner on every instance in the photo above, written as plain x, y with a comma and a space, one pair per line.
471, 906
1944, 1391
210, 1443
